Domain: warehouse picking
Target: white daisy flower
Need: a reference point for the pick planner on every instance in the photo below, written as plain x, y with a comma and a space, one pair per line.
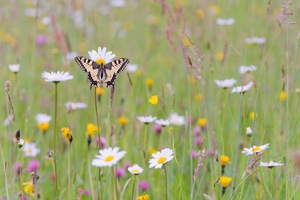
176, 119
8, 119
30, 149
161, 157
162, 122
227, 83
225, 22
14, 68
56, 77
42, 118
75, 105
101, 57
117, 3
255, 40
242, 88
249, 131
46, 20
270, 164
131, 68
255, 149
147, 119
245, 69
135, 169
108, 157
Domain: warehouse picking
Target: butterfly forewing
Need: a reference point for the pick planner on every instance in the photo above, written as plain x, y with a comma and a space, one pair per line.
113, 68
90, 67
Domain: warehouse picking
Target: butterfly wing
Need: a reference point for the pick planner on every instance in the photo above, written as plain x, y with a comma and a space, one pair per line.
91, 68
113, 68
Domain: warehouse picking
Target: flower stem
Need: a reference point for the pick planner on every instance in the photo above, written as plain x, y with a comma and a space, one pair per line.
116, 182
99, 145
132, 194
90, 176
54, 138
5, 174
166, 181
69, 171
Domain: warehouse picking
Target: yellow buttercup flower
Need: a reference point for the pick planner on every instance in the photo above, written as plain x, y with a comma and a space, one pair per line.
90, 130
67, 134
186, 42
282, 96
123, 120
252, 115
202, 122
153, 100
143, 197
29, 188
224, 160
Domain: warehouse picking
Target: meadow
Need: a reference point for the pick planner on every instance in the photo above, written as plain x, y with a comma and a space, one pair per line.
207, 107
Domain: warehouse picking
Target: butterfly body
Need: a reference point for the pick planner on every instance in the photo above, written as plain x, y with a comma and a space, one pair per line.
101, 74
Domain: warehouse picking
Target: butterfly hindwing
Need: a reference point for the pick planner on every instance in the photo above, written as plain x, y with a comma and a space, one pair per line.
113, 68
90, 67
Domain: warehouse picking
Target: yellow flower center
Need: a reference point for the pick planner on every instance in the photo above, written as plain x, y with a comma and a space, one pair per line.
225, 181
255, 148
100, 61
43, 126
29, 150
161, 160
109, 158
135, 171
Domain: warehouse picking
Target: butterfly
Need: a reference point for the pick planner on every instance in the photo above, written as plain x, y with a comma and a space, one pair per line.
99, 74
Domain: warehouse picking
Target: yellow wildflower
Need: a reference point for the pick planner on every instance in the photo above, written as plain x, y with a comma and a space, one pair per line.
200, 13
143, 197
225, 181
67, 134
282, 96
29, 188
214, 10
252, 115
220, 56
186, 42
198, 97
100, 91
202, 122
149, 82
123, 120
224, 160
153, 100
90, 130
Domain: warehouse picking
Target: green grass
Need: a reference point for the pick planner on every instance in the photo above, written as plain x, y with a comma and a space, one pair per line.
146, 44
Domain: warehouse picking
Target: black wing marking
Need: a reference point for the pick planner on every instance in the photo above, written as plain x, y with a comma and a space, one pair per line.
113, 68
91, 68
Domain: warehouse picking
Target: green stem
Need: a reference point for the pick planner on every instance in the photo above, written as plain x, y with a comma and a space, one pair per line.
54, 146
99, 145
166, 181
69, 171
5, 175
132, 193
116, 182
90, 175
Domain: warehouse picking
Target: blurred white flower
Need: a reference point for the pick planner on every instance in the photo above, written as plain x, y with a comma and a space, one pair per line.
30, 149
117, 3
255, 40
14, 68
46, 20
8, 119
162, 122
242, 88
248, 131
270, 164
176, 119
135, 169
56, 77
147, 119
225, 22
227, 83
245, 69
131, 68
75, 105
42, 118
